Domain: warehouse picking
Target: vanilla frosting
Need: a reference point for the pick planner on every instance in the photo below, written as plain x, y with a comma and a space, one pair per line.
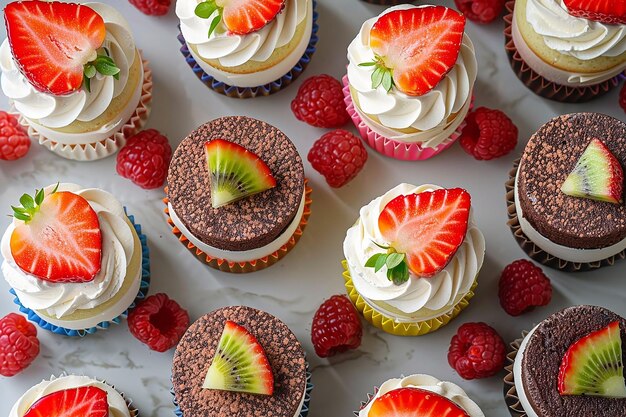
576, 36
417, 298
117, 404
62, 299
517, 376
59, 111
428, 383
395, 110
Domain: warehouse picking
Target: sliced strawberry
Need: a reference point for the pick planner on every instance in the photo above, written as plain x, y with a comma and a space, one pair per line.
427, 227
74, 402
416, 46
52, 41
414, 402
240, 16
612, 12
59, 239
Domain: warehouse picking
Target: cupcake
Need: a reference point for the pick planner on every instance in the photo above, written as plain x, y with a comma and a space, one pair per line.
571, 364
73, 395
564, 52
74, 260
240, 362
82, 104
412, 286
245, 49
419, 395
399, 111
236, 195
565, 200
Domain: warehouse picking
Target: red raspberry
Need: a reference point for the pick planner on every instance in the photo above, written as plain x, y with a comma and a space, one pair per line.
319, 102
152, 7
523, 286
159, 322
336, 327
488, 134
145, 159
338, 156
14, 142
476, 351
622, 97
19, 345
481, 11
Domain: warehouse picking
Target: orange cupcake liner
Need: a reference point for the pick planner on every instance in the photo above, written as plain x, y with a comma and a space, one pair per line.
248, 266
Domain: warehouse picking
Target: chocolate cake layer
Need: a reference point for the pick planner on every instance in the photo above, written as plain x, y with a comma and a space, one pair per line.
249, 223
542, 359
195, 351
548, 159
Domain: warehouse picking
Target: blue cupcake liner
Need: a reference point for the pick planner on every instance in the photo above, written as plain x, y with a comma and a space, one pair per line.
304, 411
143, 291
263, 90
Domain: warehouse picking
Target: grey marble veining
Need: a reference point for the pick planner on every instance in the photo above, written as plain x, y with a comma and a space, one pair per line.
295, 287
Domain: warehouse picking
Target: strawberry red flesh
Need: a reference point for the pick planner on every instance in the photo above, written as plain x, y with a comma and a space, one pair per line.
62, 242
52, 41
414, 402
75, 402
612, 12
419, 45
428, 227
245, 16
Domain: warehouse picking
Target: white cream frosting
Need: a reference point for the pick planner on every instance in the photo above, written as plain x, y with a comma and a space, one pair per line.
517, 376
418, 298
246, 255
396, 110
61, 299
429, 383
579, 37
560, 251
59, 111
117, 404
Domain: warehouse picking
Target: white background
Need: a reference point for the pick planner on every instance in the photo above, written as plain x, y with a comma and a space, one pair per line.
294, 288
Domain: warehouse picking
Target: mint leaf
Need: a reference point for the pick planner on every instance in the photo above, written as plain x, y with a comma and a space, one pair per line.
394, 259
380, 262
105, 65
399, 274
371, 262
90, 71
214, 24
205, 9
377, 77
87, 82
387, 81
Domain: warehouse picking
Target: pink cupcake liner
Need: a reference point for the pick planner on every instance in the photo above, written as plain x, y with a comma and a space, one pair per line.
392, 148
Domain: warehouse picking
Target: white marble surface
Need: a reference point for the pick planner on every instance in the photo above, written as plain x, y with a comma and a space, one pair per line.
295, 287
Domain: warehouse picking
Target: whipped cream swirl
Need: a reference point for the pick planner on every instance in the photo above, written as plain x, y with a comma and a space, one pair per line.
429, 383
232, 50
117, 404
576, 36
417, 298
397, 110
60, 111
62, 299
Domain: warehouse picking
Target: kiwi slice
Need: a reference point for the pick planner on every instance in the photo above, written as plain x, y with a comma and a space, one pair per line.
593, 365
239, 364
235, 172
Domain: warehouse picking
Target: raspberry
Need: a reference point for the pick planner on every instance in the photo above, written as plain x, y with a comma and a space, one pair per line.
19, 345
159, 322
336, 327
522, 287
622, 98
319, 102
481, 11
145, 159
488, 134
152, 7
338, 156
476, 351
14, 142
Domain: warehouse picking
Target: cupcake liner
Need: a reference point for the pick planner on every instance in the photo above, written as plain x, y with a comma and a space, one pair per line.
535, 252
543, 87
304, 411
110, 145
389, 325
392, 148
141, 294
248, 266
262, 90
364, 404
510, 392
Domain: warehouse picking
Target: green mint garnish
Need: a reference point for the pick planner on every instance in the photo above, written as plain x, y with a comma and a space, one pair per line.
104, 65
30, 205
397, 267
381, 75
206, 9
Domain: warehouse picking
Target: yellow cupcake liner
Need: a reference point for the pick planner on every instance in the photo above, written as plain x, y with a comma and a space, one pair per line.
391, 326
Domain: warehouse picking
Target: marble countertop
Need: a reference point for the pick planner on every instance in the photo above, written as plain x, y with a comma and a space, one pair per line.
295, 287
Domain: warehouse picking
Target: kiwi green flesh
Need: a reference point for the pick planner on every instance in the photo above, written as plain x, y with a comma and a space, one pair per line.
591, 177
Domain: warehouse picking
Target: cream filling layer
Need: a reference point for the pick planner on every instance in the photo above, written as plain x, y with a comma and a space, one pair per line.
517, 375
